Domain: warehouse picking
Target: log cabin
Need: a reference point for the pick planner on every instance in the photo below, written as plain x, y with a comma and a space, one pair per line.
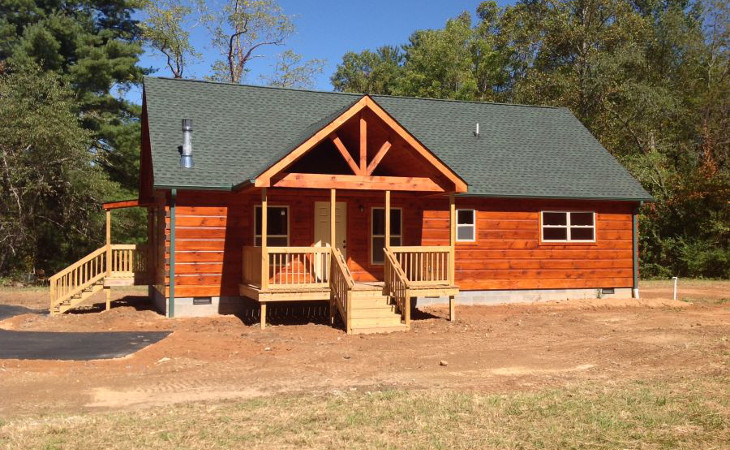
371, 203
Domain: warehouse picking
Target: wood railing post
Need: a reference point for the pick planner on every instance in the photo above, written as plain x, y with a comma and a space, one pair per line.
452, 239
348, 312
333, 218
108, 242
387, 219
264, 238
407, 307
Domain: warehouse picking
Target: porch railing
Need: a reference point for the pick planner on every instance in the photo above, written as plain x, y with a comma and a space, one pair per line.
252, 265
341, 284
424, 266
287, 268
397, 285
128, 259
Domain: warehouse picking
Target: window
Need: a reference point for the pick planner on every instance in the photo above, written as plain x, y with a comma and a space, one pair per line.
568, 226
466, 220
377, 233
277, 224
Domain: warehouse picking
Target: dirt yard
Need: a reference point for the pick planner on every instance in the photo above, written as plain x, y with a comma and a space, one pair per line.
489, 349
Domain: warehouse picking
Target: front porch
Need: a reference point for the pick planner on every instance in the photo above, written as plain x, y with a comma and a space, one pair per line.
322, 272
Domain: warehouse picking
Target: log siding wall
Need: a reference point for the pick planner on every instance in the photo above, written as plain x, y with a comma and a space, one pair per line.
212, 228
508, 253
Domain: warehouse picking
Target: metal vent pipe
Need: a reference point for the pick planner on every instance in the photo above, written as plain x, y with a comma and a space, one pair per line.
186, 159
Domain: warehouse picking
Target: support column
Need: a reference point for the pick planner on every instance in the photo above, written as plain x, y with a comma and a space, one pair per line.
151, 247
635, 250
263, 315
108, 292
264, 244
452, 239
108, 242
452, 308
173, 226
387, 219
333, 218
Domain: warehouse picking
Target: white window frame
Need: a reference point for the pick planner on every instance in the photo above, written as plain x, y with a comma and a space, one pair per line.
568, 227
467, 225
288, 224
373, 236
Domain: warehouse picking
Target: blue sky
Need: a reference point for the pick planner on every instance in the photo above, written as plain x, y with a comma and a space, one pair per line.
327, 29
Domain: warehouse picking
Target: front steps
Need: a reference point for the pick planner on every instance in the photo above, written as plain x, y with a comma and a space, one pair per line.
372, 312
78, 298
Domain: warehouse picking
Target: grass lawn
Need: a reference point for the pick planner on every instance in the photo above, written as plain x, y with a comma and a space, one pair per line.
662, 415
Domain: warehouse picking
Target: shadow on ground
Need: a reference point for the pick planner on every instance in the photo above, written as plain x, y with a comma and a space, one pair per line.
7, 311
138, 302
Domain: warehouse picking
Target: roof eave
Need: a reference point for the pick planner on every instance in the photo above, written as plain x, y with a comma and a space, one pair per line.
648, 199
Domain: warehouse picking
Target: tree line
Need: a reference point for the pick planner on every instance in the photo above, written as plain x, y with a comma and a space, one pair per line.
649, 78
70, 138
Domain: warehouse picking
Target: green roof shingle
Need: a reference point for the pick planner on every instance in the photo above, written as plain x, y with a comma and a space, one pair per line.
239, 131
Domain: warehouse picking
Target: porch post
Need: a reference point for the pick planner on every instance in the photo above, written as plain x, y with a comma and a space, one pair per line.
108, 242
452, 253
387, 219
333, 234
452, 238
264, 243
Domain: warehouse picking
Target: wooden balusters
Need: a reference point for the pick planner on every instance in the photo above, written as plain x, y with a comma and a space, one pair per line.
341, 284
424, 265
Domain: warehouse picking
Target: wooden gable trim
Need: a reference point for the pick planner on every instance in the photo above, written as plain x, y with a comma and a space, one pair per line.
378, 157
355, 182
345, 153
264, 180
459, 184
361, 169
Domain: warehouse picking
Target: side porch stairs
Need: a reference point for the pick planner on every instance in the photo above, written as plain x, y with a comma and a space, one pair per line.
111, 265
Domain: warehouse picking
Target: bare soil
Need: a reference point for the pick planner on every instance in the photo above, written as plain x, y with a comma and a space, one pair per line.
489, 349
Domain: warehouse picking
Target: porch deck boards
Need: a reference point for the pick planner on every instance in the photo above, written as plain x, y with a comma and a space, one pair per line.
309, 293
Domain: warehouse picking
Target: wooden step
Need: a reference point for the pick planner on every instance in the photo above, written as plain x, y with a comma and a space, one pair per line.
379, 329
367, 303
367, 294
371, 313
373, 322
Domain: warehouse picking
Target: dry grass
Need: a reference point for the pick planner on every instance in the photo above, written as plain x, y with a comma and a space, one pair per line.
672, 414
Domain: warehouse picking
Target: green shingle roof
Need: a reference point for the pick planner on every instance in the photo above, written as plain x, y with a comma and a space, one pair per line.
239, 131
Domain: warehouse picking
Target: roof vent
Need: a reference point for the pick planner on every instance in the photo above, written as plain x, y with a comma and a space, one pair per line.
476, 131
186, 160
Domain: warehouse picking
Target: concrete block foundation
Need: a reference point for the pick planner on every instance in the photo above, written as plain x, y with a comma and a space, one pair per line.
525, 296
213, 306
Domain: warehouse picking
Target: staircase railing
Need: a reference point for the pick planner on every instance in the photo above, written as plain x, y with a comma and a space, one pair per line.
341, 284
121, 260
78, 276
397, 285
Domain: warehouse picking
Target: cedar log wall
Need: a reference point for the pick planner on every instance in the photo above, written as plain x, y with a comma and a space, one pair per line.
212, 228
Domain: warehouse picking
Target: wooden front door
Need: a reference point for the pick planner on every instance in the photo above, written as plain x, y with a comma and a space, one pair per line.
322, 225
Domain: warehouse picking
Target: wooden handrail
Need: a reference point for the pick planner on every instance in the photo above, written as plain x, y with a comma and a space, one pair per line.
341, 284
122, 259
397, 285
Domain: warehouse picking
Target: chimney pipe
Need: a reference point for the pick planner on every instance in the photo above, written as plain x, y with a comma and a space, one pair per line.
186, 159
476, 131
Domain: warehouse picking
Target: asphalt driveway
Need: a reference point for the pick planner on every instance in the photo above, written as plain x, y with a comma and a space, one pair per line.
74, 346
